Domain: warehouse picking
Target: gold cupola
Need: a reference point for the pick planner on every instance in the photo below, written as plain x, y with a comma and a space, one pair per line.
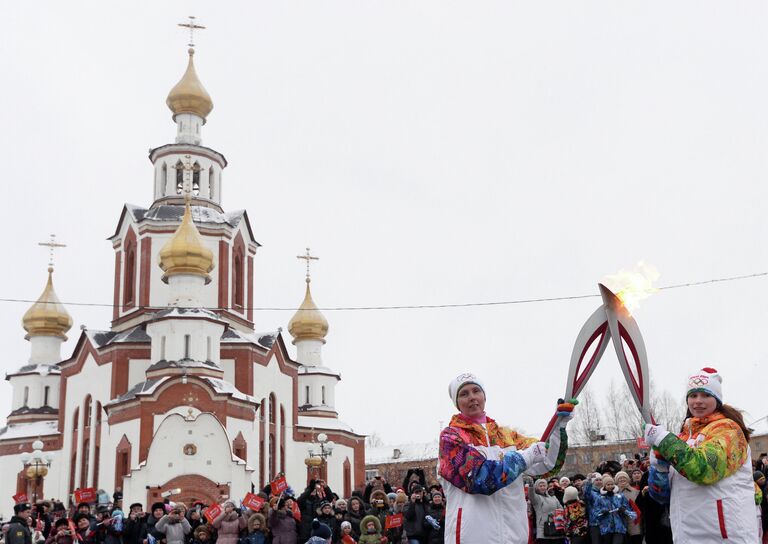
185, 252
47, 316
189, 95
308, 323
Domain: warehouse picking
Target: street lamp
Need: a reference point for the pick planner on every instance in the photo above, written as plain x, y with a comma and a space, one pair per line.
36, 465
317, 457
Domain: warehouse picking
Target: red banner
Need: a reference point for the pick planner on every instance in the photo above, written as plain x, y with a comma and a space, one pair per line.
393, 522
20, 498
278, 485
212, 512
254, 502
86, 494
642, 444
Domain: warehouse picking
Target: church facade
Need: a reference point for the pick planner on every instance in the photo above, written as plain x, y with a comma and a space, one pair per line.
180, 393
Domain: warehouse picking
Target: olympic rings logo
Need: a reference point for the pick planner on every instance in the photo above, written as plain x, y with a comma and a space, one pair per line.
699, 380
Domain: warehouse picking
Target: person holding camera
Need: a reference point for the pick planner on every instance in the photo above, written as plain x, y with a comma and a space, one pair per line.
377, 482
314, 495
414, 514
174, 526
229, 524
60, 533
480, 467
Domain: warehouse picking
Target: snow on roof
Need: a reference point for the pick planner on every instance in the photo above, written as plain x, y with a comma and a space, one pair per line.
183, 363
187, 312
43, 369
105, 338
221, 386
407, 452
263, 339
324, 423
200, 214
143, 388
760, 426
308, 369
32, 429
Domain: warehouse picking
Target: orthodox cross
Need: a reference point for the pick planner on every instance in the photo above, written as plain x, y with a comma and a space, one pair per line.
51, 245
308, 257
192, 27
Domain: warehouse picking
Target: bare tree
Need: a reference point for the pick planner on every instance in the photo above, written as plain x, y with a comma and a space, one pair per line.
666, 409
373, 440
586, 424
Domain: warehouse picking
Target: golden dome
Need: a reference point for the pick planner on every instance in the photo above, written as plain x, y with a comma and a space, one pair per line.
185, 253
308, 323
189, 95
47, 316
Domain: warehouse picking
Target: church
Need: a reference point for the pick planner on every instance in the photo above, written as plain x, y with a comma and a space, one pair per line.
180, 396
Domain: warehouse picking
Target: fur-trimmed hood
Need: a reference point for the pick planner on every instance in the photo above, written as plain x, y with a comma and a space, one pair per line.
366, 519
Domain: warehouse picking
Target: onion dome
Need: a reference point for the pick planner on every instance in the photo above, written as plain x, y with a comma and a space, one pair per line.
185, 253
47, 316
189, 95
308, 323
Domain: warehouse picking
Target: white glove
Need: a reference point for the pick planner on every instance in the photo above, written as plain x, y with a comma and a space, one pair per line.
654, 434
534, 454
661, 465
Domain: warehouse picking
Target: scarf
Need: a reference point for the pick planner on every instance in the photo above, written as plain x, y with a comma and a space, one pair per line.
498, 436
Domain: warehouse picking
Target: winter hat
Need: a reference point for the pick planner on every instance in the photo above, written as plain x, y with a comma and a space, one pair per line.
135, 504
22, 507
608, 480
401, 498
61, 521
757, 475
281, 503
707, 380
341, 503
622, 474
345, 524
200, 529
537, 482
570, 494
392, 496
321, 529
564, 482
158, 506
460, 381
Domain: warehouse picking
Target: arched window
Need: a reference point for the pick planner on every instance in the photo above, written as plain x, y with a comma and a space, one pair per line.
129, 274
237, 286
84, 467
179, 177
98, 413
282, 439
322, 393
272, 409
196, 179
163, 179
76, 420
46, 394
26, 396
211, 183
272, 459
87, 411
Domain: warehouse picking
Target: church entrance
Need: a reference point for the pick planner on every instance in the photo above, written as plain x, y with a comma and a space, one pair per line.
193, 488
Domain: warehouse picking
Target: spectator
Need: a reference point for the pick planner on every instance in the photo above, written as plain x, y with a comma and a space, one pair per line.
576, 523
377, 483
309, 501
135, 528
83, 529
370, 529
201, 535
257, 530
436, 519
635, 499
355, 514
379, 506
612, 511
415, 512
228, 524
174, 526
346, 533
321, 533
544, 504
37, 534
282, 523
60, 533
595, 483
326, 516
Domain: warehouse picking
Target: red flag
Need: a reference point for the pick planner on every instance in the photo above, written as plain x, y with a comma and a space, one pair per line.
393, 522
20, 498
254, 502
86, 494
278, 485
212, 512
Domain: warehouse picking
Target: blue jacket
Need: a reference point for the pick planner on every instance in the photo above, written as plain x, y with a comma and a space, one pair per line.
590, 497
611, 511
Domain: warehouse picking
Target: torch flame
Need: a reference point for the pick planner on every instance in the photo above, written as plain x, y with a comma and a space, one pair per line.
632, 286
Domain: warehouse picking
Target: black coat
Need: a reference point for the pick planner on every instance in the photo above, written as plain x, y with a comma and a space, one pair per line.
414, 519
308, 504
18, 532
436, 536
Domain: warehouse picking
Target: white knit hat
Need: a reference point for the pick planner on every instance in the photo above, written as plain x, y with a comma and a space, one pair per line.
460, 381
570, 494
706, 380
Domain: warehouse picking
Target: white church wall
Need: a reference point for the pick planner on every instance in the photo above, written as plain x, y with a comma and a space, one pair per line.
228, 365
109, 441
204, 339
137, 371
10, 465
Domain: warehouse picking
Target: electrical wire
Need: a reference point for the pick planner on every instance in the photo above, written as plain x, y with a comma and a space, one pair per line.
415, 306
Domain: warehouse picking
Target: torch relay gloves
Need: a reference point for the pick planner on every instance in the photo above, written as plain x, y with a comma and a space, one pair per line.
654, 434
535, 454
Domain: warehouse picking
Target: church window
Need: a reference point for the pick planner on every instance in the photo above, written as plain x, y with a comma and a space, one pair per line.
130, 272
26, 396
179, 177
87, 411
208, 351
75, 420
84, 468
322, 392
46, 394
272, 459
187, 341
272, 409
196, 179
237, 287
98, 413
306, 391
282, 438
211, 180
162, 348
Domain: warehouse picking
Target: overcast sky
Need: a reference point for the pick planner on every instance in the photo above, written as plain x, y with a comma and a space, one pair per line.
428, 152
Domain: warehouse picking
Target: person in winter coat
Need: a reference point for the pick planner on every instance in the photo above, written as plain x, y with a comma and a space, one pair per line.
321, 533
61, 534
282, 523
576, 523
202, 535
761, 483
379, 506
83, 529
705, 472
18, 528
435, 519
346, 533
326, 516
134, 529
257, 530
309, 501
355, 514
635, 499
228, 524
370, 529
544, 503
415, 512
158, 511
174, 526
613, 511
480, 464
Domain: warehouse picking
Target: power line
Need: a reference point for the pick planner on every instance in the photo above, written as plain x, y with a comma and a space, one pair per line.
417, 306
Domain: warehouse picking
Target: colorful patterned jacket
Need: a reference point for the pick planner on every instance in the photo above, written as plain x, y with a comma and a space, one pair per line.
709, 482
